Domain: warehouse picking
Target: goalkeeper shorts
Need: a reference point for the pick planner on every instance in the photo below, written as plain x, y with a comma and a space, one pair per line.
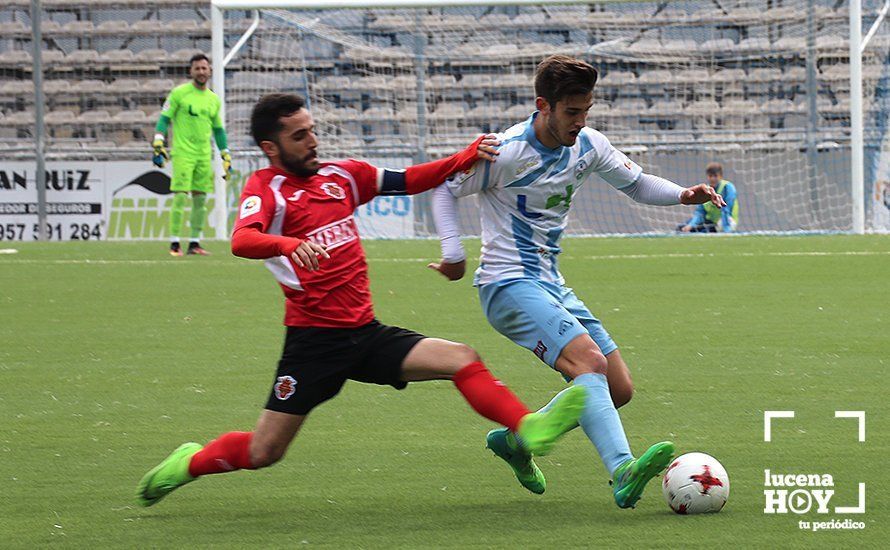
317, 361
191, 174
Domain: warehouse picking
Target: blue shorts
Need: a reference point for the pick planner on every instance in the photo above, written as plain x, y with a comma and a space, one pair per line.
540, 316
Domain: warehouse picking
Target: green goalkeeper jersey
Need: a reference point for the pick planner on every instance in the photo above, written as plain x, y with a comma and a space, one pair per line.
195, 116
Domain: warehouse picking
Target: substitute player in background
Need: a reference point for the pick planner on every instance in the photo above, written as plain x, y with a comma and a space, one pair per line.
297, 214
194, 111
707, 217
524, 200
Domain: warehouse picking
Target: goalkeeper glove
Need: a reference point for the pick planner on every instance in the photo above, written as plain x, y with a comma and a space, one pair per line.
160, 153
227, 163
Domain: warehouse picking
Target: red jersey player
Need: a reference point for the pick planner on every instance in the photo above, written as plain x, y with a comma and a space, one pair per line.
297, 215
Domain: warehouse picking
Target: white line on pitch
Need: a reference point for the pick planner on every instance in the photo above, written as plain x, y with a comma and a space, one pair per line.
429, 259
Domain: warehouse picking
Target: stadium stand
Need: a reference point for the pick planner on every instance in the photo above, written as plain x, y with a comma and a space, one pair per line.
110, 63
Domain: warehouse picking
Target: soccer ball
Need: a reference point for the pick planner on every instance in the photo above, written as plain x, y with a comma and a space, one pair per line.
695, 483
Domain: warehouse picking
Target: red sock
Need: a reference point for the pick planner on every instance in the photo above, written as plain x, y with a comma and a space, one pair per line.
228, 452
489, 396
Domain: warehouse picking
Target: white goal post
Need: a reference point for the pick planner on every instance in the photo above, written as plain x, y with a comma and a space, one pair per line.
771, 129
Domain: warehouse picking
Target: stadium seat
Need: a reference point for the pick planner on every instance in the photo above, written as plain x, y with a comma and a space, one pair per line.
82, 57
717, 46
60, 117
113, 28
764, 75
15, 57
100, 116
52, 57
118, 57
656, 77
617, 78
678, 46
147, 27
741, 107
16, 87
157, 86
130, 117
151, 55
12, 28
78, 28
88, 86
19, 118
183, 55
56, 86
752, 45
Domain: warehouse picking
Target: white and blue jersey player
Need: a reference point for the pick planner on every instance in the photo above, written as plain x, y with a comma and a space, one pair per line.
524, 200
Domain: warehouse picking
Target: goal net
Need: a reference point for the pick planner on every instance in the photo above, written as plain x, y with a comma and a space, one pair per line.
760, 86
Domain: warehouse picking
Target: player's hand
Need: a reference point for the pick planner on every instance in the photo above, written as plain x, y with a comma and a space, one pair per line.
452, 272
487, 148
701, 194
686, 228
227, 163
307, 254
160, 153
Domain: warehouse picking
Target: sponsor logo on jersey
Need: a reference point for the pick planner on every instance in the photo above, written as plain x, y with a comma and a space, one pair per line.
580, 168
531, 163
333, 190
250, 206
296, 196
285, 387
335, 234
540, 350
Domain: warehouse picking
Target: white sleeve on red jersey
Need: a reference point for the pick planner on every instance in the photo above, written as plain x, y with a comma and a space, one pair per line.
257, 204
367, 178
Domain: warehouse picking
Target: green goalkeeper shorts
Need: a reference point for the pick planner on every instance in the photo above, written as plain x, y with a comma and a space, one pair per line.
192, 174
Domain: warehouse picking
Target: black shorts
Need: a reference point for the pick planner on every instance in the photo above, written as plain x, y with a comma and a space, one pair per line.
316, 362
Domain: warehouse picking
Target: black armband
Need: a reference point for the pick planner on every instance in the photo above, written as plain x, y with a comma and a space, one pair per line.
394, 183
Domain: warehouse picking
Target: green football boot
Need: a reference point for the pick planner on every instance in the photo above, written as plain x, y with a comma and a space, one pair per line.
632, 476
538, 431
503, 444
171, 473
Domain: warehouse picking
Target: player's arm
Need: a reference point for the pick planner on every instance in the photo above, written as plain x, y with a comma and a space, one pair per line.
250, 242
171, 105
423, 177
250, 239
453, 264
222, 143
627, 176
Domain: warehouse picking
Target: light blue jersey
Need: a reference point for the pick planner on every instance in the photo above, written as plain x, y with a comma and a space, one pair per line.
525, 197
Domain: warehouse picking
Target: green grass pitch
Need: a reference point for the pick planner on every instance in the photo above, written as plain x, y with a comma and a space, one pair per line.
114, 353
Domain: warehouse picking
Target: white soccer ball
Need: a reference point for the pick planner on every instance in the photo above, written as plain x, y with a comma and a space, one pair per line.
695, 483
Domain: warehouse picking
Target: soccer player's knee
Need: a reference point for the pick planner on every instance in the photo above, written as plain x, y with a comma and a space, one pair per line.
464, 355
262, 456
595, 360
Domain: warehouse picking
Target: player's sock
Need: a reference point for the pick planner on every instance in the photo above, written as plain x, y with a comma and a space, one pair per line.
228, 452
177, 212
199, 212
601, 422
489, 396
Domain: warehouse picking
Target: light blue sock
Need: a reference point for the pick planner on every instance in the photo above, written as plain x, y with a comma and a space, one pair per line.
601, 422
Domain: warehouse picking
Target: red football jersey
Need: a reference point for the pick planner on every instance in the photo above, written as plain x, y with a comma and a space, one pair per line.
319, 208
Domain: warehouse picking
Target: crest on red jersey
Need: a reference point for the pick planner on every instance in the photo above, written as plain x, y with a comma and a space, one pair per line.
285, 387
333, 190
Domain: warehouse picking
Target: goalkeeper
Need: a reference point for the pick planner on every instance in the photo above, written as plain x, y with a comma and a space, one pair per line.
194, 111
